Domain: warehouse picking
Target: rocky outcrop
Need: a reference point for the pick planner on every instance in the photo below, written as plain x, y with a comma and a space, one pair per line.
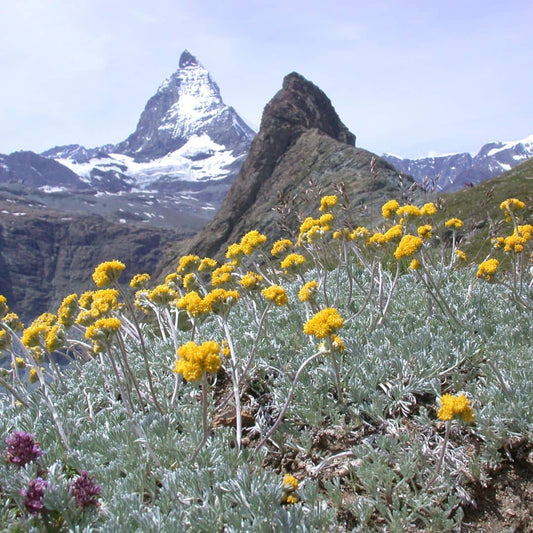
301, 141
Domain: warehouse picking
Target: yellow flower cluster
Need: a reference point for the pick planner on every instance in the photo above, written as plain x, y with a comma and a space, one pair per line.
251, 280
425, 231
409, 210
314, 227
455, 223
308, 291
327, 202
207, 264
213, 301
460, 254
276, 294
455, 407
247, 245
290, 485
102, 331
408, 245
324, 323
428, 209
487, 269
388, 208
222, 274
162, 295
3, 306
281, 246
139, 281
394, 232
107, 273
95, 305
292, 261
195, 359
35, 334
517, 240
67, 310
512, 204
187, 262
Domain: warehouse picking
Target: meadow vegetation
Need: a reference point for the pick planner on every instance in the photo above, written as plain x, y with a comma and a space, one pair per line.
342, 379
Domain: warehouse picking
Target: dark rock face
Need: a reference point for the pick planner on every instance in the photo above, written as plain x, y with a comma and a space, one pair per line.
301, 139
45, 256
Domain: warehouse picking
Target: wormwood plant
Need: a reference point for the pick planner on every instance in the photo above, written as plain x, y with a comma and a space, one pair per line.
308, 384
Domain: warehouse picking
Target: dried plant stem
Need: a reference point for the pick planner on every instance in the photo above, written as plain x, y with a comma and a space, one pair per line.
205, 421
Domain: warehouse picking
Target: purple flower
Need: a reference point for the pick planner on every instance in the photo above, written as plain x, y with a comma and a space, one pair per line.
22, 448
85, 490
33, 494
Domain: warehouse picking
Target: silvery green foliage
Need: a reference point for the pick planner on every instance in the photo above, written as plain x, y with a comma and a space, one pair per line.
384, 427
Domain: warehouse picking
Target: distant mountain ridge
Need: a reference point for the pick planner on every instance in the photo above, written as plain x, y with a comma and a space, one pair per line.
450, 172
179, 162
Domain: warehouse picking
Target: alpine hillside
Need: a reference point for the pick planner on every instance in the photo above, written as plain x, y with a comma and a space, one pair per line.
450, 172
302, 150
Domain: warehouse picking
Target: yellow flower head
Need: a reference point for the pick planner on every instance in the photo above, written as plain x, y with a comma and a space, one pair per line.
66, 314
193, 360
281, 246
11, 320
408, 210
252, 240
407, 246
428, 209
55, 338
276, 294
360, 231
425, 231
290, 482
487, 269
207, 264
222, 274
460, 254
218, 299
187, 263
234, 251
140, 281
308, 291
324, 323
512, 204
162, 295
292, 261
102, 331
251, 280
3, 305
455, 407
193, 303
388, 208
107, 273
455, 223
327, 202
414, 264
395, 232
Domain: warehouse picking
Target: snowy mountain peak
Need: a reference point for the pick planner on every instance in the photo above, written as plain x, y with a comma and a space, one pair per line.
449, 172
187, 103
187, 60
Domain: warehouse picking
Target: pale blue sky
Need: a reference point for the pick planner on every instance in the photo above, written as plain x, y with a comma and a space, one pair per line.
407, 77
